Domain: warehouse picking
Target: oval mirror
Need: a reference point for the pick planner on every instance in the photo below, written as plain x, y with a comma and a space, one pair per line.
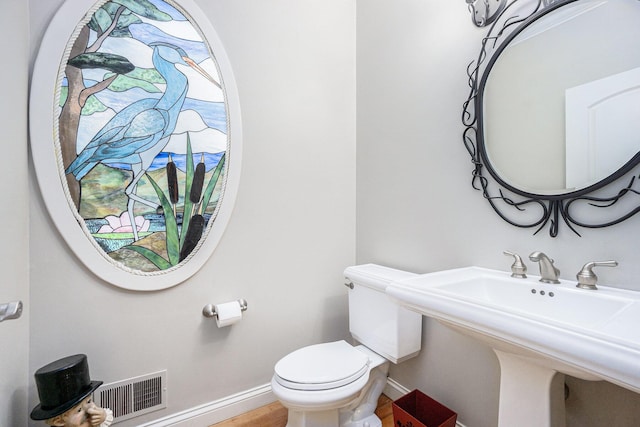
556, 95
562, 99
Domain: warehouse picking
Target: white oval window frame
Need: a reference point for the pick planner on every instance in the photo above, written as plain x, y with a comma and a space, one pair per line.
43, 150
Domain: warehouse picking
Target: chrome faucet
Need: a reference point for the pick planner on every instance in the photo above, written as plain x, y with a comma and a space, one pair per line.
548, 272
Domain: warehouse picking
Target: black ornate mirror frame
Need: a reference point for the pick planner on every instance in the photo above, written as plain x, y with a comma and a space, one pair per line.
509, 202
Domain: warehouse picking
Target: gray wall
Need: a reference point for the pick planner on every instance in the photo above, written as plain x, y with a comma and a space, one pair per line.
290, 236
14, 250
417, 210
294, 226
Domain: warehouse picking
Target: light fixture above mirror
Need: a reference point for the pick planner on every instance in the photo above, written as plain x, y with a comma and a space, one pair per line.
485, 12
551, 119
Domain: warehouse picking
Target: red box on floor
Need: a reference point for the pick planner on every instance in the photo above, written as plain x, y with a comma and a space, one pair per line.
416, 409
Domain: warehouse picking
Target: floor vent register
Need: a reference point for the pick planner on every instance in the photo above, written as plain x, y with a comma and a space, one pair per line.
134, 396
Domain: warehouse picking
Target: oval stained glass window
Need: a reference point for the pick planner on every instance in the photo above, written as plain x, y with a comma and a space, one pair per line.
136, 140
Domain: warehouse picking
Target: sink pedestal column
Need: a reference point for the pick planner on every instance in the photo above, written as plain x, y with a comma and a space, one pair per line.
531, 395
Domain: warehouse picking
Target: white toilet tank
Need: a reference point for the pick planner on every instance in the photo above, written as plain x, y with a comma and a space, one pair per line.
382, 325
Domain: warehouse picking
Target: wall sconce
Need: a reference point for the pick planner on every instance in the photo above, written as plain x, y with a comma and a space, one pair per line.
485, 12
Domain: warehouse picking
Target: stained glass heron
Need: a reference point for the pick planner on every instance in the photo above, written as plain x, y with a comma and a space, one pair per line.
140, 131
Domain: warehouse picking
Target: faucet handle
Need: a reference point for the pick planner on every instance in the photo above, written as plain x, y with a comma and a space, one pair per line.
518, 268
587, 279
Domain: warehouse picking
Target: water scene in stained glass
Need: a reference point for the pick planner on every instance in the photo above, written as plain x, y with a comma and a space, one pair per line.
142, 132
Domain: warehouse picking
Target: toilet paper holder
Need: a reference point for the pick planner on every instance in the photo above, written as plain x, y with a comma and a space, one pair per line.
209, 310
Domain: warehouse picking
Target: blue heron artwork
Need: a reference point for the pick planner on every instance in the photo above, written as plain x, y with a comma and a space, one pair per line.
142, 132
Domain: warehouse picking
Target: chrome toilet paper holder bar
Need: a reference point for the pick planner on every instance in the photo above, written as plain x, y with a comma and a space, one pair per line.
209, 310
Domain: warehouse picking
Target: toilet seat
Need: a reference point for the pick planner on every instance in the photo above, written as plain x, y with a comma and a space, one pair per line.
321, 367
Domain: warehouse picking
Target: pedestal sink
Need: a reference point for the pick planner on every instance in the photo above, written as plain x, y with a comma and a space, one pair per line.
538, 331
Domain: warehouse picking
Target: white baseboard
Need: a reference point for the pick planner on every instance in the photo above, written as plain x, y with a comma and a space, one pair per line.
239, 403
218, 410
394, 390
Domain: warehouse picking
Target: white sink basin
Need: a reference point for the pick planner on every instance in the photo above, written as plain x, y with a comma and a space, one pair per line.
534, 326
562, 303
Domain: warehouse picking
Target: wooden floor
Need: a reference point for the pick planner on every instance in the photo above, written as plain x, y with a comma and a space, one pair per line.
275, 415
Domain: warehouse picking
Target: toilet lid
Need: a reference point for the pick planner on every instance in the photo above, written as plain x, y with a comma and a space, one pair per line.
321, 366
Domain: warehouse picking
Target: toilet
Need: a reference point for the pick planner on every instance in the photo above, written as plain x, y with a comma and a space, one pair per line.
337, 384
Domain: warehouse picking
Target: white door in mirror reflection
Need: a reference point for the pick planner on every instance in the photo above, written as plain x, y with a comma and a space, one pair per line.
602, 127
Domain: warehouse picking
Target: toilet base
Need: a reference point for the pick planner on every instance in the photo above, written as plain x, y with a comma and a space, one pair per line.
370, 421
328, 418
313, 418
360, 413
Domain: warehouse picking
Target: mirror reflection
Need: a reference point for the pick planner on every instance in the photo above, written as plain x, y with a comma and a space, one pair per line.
561, 103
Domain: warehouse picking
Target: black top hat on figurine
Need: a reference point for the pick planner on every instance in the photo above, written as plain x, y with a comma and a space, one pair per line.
62, 385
